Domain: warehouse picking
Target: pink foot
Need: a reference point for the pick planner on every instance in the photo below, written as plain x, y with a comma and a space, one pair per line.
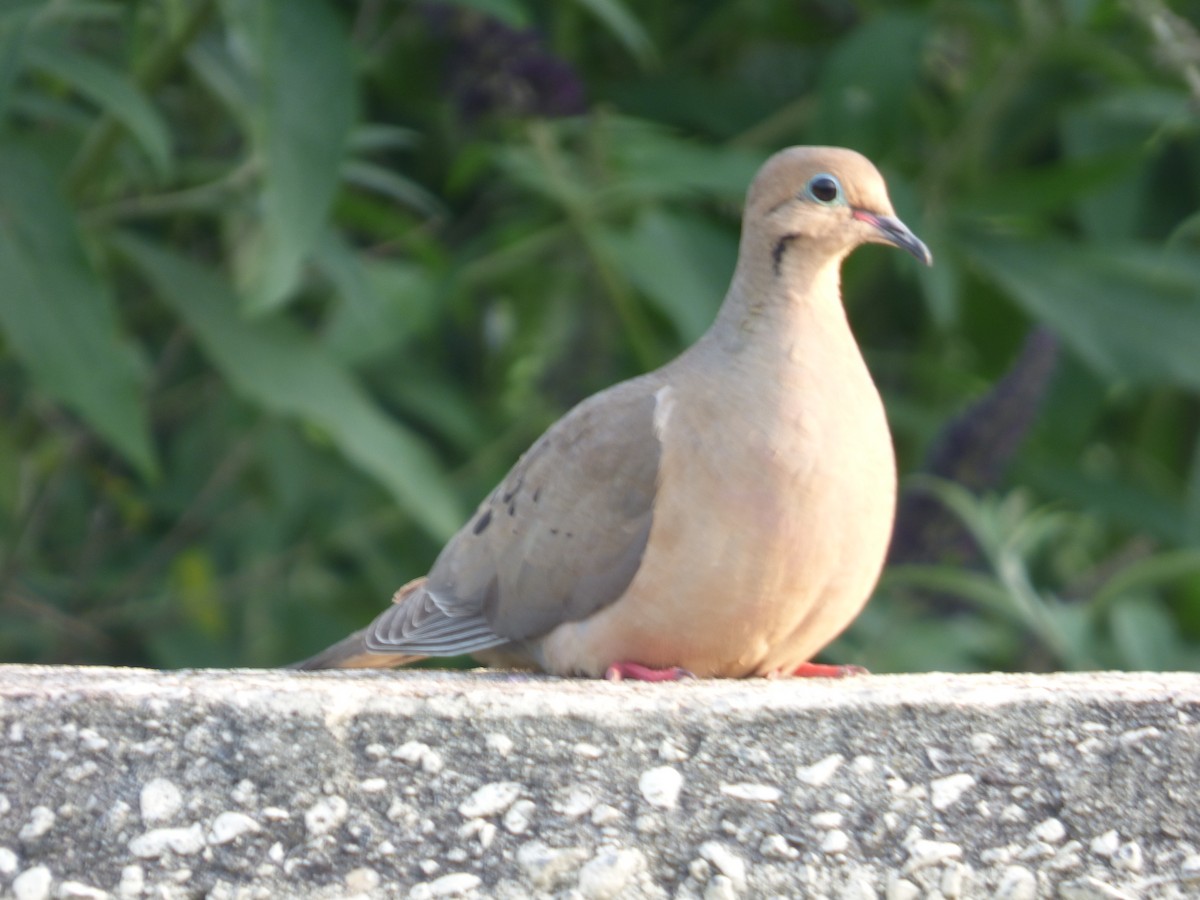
821, 670
620, 671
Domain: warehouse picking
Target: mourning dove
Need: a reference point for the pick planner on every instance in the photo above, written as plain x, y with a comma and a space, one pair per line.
726, 515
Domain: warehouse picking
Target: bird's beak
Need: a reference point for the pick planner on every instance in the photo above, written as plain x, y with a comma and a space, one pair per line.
896, 232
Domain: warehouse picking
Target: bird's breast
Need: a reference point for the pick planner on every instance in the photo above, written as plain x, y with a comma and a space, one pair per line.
770, 524
805, 466
793, 527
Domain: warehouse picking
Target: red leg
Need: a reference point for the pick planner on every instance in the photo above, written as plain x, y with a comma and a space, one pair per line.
619, 671
821, 670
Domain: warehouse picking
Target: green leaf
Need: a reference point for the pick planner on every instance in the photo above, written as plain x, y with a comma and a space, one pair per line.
303, 112
655, 163
75, 11
977, 588
274, 364
1145, 634
13, 30
445, 408
681, 263
220, 69
1114, 502
1129, 311
58, 316
1034, 192
396, 187
382, 302
1186, 233
114, 93
941, 283
12, 11
1155, 571
624, 26
867, 84
930, 644
374, 136
649, 163
1123, 122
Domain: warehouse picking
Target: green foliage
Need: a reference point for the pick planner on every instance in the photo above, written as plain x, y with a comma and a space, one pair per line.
288, 285
58, 313
1104, 619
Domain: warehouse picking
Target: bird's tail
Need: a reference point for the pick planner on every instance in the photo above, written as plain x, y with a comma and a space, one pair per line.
352, 652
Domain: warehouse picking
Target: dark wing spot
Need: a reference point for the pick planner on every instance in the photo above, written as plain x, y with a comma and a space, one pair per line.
516, 487
482, 522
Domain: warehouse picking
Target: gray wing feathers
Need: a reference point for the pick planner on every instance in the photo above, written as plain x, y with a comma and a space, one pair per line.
560, 538
419, 624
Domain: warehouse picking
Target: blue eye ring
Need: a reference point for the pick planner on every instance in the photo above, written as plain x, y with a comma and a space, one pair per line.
824, 189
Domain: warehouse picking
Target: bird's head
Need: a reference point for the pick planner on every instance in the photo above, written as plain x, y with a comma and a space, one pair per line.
822, 202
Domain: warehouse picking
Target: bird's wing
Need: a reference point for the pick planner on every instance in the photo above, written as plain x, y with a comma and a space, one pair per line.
561, 536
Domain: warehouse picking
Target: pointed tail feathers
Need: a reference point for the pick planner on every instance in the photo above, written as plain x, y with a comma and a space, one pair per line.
352, 653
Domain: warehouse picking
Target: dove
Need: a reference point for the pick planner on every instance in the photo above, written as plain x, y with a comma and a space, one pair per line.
725, 515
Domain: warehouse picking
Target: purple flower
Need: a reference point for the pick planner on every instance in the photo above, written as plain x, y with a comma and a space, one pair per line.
494, 69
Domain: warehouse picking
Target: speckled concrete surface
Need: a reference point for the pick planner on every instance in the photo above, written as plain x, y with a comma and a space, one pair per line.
222, 784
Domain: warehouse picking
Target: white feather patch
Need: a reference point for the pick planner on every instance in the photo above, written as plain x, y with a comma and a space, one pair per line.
664, 403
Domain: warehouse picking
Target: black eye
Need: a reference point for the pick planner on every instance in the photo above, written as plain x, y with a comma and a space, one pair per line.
824, 189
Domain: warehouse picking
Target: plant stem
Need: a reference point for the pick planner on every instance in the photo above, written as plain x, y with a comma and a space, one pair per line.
210, 195
100, 141
586, 225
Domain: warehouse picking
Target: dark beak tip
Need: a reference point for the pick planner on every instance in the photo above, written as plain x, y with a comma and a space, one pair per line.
904, 239
899, 234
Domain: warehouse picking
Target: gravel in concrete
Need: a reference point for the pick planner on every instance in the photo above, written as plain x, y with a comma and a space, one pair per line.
243, 784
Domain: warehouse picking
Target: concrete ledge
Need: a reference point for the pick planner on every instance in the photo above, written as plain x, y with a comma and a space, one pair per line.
420, 784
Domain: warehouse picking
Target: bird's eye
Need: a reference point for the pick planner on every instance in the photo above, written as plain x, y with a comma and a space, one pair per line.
824, 189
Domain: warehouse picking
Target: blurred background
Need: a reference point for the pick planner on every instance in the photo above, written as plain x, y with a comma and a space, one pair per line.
286, 287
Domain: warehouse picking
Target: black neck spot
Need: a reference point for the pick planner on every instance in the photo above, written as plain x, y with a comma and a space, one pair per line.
779, 250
